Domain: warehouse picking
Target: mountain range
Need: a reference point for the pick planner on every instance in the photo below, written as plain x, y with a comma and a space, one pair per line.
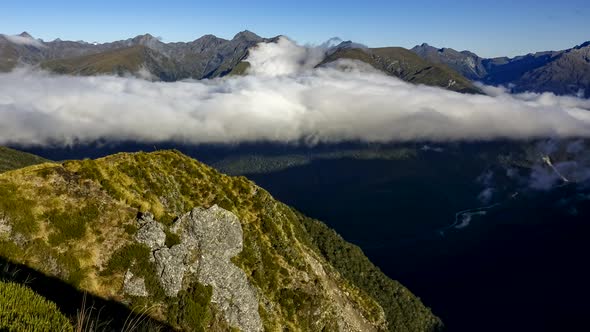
561, 72
206, 57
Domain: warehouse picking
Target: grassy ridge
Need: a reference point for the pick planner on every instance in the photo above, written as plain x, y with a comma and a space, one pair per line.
76, 221
408, 66
123, 61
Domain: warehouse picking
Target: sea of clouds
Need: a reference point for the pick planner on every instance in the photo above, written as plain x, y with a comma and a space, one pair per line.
284, 99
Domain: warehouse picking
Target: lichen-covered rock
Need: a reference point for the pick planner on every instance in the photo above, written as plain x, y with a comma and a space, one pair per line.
134, 286
171, 266
218, 235
151, 232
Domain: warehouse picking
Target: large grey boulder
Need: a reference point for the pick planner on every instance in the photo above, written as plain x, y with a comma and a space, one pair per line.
218, 235
151, 233
209, 238
172, 265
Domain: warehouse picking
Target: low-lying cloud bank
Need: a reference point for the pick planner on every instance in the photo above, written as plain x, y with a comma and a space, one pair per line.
284, 99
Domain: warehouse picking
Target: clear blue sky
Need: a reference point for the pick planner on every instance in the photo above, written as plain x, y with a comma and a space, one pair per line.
489, 28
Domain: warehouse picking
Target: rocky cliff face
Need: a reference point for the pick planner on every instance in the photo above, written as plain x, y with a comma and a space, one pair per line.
200, 250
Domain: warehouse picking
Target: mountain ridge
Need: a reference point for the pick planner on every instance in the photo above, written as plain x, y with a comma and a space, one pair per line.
205, 57
561, 72
402, 63
96, 223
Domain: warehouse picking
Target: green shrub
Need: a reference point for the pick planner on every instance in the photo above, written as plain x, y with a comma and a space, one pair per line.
71, 223
18, 209
191, 311
172, 239
21, 309
130, 229
136, 257
125, 257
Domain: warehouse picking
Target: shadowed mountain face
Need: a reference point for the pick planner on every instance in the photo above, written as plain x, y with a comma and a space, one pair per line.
561, 72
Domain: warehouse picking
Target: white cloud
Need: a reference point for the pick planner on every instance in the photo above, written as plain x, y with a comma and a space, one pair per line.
285, 99
284, 58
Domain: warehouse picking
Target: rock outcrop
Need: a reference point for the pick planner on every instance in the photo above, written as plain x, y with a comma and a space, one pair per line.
151, 233
134, 286
209, 238
218, 235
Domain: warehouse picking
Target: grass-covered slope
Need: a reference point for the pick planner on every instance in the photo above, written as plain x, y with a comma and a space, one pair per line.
12, 159
408, 66
77, 221
121, 61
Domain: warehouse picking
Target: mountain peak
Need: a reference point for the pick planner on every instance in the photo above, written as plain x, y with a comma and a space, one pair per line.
145, 38
25, 35
248, 35
207, 38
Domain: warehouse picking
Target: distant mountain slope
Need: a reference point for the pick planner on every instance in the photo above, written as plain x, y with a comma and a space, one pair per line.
567, 73
12, 159
406, 65
19, 49
561, 72
132, 59
206, 57
466, 63
207, 251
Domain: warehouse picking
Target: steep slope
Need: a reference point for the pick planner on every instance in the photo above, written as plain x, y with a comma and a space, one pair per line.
467, 63
560, 72
206, 250
568, 73
8, 55
406, 65
138, 60
12, 159
17, 49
